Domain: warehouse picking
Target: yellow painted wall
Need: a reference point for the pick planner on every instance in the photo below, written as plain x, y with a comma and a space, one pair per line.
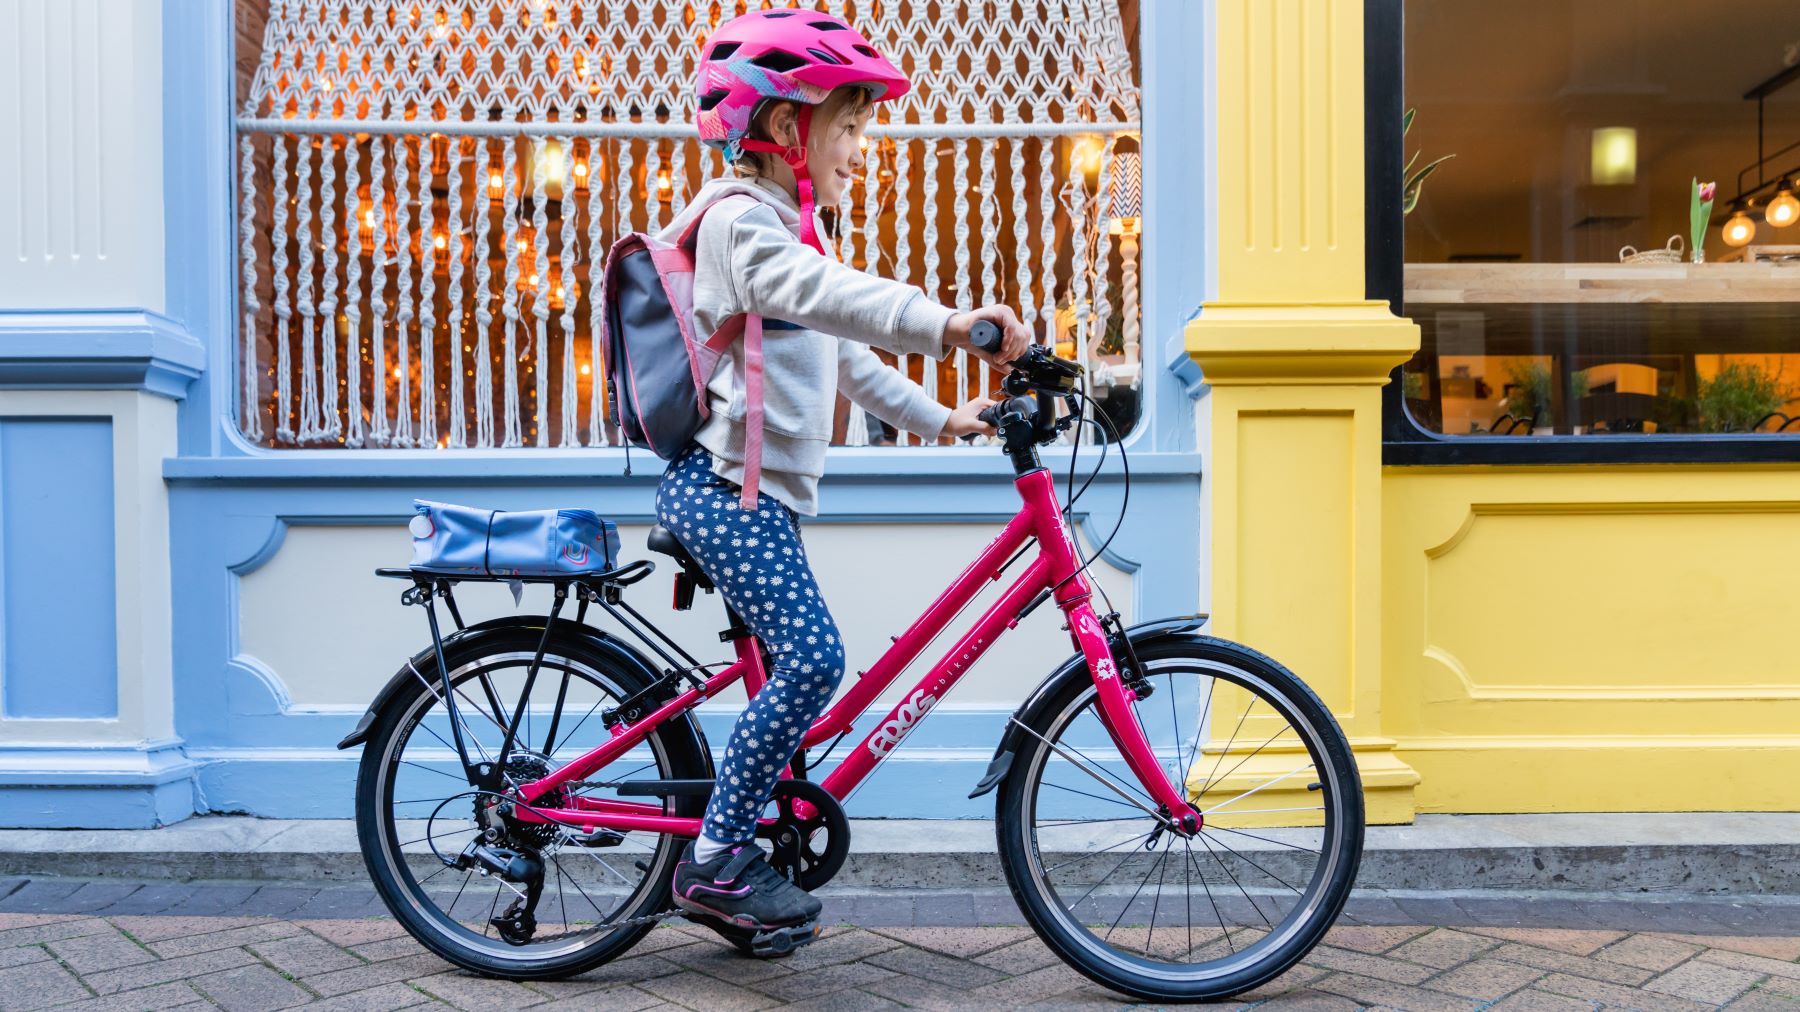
1593, 639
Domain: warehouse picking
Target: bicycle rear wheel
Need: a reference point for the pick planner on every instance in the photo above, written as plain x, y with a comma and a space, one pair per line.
1144, 909
416, 812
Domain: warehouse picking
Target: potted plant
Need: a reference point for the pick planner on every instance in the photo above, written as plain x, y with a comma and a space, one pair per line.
1738, 397
1529, 394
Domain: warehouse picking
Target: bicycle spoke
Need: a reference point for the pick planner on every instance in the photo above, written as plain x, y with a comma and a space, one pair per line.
1264, 839
1253, 790
1097, 853
1096, 797
1156, 904
1134, 895
1229, 742
1210, 898
1244, 858
1234, 881
1249, 757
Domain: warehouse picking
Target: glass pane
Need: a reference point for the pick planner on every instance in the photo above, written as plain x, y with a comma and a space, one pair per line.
1555, 264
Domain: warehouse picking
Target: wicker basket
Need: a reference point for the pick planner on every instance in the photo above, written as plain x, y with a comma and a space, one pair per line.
1670, 254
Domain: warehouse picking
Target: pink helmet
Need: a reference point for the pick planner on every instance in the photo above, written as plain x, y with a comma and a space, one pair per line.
798, 55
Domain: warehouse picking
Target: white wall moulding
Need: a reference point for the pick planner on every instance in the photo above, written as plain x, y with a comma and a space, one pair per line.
424, 189
81, 132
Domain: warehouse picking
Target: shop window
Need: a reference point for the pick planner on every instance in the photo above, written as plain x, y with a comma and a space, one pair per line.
417, 230
1563, 281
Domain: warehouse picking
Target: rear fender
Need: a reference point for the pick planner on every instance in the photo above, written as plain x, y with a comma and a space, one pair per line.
1072, 670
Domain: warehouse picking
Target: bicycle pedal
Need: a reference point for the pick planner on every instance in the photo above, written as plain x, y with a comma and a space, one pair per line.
763, 943
598, 838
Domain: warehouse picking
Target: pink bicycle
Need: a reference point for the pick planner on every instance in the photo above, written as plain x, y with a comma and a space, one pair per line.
1178, 817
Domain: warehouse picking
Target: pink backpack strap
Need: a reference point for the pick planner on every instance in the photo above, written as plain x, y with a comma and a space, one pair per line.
749, 326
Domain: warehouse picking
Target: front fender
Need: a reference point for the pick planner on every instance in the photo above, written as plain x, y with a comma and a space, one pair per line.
1142, 634
426, 660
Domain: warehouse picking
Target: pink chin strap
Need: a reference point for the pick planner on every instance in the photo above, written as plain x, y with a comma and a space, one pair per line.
795, 157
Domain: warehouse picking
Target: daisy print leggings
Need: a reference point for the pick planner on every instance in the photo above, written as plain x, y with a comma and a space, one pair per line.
756, 560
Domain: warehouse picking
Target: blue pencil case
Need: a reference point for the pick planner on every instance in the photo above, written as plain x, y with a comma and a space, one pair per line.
469, 541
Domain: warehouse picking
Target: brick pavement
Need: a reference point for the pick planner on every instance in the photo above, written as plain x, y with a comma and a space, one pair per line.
123, 946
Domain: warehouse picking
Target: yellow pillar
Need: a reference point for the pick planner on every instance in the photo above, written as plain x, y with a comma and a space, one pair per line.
1296, 357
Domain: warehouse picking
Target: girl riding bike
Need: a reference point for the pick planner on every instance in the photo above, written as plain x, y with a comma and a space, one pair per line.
786, 94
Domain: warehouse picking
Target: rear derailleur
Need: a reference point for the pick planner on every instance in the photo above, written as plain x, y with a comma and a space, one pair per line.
518, 922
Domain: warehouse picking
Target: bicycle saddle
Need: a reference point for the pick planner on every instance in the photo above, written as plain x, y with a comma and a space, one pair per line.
663, 542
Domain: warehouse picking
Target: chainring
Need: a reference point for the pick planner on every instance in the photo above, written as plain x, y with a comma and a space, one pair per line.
798, 853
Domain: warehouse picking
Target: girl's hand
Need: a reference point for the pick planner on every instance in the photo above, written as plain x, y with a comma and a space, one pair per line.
1014, 336
964, 423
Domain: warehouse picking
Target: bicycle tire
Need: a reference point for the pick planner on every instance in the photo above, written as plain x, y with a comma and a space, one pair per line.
680, 754
1049, 915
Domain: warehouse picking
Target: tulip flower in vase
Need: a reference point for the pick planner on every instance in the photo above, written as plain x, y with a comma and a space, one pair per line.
1699, 216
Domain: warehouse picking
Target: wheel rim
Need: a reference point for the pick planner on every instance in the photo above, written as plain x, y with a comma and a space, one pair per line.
1230, 898
419, 776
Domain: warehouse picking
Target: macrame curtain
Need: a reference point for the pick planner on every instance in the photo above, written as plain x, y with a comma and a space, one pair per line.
425, 187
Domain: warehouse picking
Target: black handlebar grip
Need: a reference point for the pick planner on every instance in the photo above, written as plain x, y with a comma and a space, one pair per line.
984, 336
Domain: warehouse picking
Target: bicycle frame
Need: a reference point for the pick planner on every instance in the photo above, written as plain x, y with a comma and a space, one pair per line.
1054, 569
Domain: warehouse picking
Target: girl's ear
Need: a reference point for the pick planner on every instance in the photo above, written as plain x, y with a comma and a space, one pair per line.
784, 124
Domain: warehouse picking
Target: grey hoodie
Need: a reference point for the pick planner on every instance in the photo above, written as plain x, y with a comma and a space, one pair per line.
748, 258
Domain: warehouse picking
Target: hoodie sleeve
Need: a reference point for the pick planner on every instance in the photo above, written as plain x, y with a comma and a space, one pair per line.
776, 276
890, 394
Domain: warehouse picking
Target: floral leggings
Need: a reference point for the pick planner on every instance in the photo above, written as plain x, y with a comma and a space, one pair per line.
756, 560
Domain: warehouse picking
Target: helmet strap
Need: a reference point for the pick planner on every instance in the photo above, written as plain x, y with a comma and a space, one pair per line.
795, 157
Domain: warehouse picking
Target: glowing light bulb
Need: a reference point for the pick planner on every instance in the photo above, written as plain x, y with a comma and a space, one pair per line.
368, 219
1085, 155
524, 244
663, 182
440, 241
1784, 210
397, 373
586, 369
1739, 230
580, 170
533, 280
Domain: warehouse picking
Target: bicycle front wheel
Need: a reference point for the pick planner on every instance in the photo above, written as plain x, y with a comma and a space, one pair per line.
1157, 914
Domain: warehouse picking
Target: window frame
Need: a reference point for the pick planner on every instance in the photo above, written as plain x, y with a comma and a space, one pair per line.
1404, 440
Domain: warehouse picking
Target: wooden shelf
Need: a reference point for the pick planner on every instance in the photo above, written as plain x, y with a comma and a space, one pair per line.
1494, 284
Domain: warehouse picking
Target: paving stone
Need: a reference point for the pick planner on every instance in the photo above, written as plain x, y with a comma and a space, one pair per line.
1784, 948
617, 998
278, 901
1371, 991
150, 929
1291, 982
1613, 994
1371, 939
1761, 1001
960, 942
699, 991
795, 987
251, 989
215, 899
1573, 941
1705, 982
40, 896
11, 921
1533, 1000
1648, 952
1306, 1001
1488, 979
304, 955
187, 945
1562, 962
1754, 964
843, 1001
50, 931
94, 897
358, 978
145, 974
176, 994
354, 932
875, 912
726, 963
997, 909
931, 966
838, 944
389, 948
920, 993
1026, 988
156, 898
1443, 948
19, 955
477, 994
38, 985
1019, 957
1379, 967
376, 999
104, 951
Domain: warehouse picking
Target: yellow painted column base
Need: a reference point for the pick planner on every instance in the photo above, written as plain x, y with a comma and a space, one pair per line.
1273, 787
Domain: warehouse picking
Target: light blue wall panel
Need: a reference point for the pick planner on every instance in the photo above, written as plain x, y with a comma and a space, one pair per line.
58, 631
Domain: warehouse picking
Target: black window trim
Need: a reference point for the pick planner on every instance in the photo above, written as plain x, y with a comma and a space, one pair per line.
1404, 441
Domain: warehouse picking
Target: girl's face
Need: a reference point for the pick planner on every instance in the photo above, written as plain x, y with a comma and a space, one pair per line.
833, 145
834, 149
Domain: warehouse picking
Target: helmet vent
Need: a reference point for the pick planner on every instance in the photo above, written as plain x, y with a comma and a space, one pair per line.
713, 98
866, 51
825, 57
780, 61
779, 14
723, 50
828, 26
